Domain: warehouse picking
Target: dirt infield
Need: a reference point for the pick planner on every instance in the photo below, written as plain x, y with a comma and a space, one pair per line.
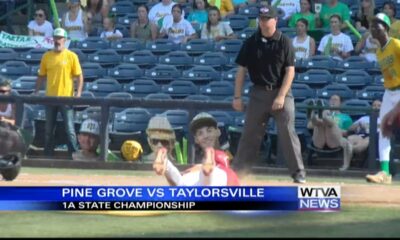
352, 193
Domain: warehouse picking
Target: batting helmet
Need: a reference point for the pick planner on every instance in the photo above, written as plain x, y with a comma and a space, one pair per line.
10, 165
131, 150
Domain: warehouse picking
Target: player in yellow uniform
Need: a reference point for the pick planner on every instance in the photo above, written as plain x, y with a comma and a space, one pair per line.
388, 55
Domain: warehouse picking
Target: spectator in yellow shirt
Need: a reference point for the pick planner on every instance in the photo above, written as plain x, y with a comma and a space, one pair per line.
225, 7
60, 68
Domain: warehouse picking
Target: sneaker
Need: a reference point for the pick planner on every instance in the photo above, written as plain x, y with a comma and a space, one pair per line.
299, 178
160, 163
209, 161
380, 177
320, 103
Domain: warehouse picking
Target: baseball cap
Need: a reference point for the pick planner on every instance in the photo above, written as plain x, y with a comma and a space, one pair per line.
90, 126
383, 18
60, 32
267, 12
201, 120
160, 128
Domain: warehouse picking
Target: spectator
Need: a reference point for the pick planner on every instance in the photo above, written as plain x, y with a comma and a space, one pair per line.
159, 11
7, 110
160, 134
40, 26
199, 14
365, 13
225, 7
366, 47
214, 170
96, 11
179, 30
305, 12
110, 32
358, 132
215, 29
333, 7
75, 21
289, 7
304, 45
336, 44
389, 8
89, 139
143, 29
330, 127
59, 68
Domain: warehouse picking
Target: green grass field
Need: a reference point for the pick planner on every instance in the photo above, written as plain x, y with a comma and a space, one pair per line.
351, 221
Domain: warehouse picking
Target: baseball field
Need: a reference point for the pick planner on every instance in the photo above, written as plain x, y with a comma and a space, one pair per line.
367, 211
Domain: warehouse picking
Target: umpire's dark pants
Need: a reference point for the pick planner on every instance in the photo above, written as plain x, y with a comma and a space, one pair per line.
258, 112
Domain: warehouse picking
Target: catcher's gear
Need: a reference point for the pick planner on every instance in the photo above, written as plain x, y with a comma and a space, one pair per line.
131, 150
10, 166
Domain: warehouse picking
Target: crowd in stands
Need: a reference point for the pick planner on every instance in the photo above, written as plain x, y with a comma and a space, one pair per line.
315, 29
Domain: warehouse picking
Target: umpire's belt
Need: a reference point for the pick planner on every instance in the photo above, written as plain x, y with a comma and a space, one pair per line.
267, 87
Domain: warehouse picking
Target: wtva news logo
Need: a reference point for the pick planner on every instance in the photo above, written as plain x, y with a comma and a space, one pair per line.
319, 198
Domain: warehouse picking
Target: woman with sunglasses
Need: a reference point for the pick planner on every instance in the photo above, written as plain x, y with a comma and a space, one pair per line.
7, 110
40, 26
214, 169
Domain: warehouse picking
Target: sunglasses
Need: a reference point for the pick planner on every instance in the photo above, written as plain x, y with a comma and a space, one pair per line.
163, 142
38, 15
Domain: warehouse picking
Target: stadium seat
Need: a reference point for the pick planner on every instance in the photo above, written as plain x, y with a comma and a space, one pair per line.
230, 75
355, 79
103, 86
81, 56
92, 71
288, 31
282, 23
246, 33
120, 95
315, 78
122, 8
358, 104
32, 56
179, 120
84, 94
339, 89
197, 47
180, 89
198, 97
237, 22
161, 46
218, 90
125, 72
180, 59
105, 57
222, 117
354, 62
162, 73
126, 45
158, 97
370, 93
141, 87
201, 75
250, 12
319, 62
302, 91
229, 47
131, 120
143, 58
378, 80
127, 19
14, 69
92, 44
93, 112
25, 84
7, 54
217, 60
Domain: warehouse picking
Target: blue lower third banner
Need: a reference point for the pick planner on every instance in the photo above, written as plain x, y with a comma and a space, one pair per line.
138, 198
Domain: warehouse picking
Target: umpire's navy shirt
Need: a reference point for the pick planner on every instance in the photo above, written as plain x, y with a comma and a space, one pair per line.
266, 58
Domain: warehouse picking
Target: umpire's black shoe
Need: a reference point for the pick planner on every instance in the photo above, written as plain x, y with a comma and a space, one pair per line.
320, 103
299, 178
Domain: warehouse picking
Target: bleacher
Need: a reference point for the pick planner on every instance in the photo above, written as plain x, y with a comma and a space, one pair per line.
198, 70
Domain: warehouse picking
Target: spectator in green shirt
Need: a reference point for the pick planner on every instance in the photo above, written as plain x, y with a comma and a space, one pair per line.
330, 128
305, 12
333, 7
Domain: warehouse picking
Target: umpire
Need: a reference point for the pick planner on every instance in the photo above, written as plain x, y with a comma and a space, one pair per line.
268, 56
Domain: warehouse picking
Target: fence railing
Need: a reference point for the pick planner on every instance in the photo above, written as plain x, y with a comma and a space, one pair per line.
190, 105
